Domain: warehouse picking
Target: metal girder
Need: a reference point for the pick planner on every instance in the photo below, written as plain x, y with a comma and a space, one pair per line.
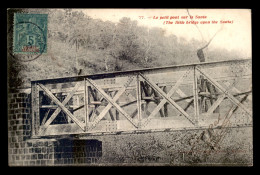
195, 96
58, 110
106, 109
230, 96
112, 102
236, 90
221, 97
183, 95
167, 97
86, 103
231, 111
125, 104
138, 97
35, 109
62, 107
169, 94
166, 76
216, 104
96, 110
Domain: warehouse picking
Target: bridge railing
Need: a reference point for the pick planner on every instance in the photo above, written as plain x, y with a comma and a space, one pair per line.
185, 96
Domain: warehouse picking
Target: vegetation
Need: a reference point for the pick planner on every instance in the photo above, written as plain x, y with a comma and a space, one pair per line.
79, 44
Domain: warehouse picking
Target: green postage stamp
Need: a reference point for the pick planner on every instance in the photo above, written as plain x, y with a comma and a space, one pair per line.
30, 33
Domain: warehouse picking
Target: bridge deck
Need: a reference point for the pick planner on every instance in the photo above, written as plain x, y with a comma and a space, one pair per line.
185, 96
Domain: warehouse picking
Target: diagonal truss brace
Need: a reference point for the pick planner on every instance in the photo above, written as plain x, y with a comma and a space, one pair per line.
230, 96
116, 98
216, 104
107, 108
58, 110
62, 107
112, 102
167, 96
221, 98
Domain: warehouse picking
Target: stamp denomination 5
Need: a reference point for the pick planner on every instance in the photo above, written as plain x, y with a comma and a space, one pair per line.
30, 34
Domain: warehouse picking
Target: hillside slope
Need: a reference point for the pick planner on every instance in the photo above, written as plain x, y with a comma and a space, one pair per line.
82, 45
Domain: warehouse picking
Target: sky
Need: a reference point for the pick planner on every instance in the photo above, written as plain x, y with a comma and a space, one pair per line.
232, 36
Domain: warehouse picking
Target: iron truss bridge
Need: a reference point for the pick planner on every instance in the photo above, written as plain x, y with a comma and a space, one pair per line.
147, 100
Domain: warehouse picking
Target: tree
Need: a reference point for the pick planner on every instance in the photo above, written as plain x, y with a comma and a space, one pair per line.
78, 40
145, 43
77, 35
127, 39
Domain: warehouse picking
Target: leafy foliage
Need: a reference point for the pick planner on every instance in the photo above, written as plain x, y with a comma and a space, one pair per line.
79, 42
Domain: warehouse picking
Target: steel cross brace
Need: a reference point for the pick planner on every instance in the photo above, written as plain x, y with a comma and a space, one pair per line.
58, 110
62, 107
112, 102
99, 117
220, 99
169, 94
126, 93
106, 109
167, 97
230, 96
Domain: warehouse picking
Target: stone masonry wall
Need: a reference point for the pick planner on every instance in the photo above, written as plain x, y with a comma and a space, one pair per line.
77, 152
24, 151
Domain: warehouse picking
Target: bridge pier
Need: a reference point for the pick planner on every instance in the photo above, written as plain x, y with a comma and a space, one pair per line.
25, 151
137, 137
178, 147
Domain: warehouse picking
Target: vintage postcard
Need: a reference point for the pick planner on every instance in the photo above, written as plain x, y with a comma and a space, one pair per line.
129, 87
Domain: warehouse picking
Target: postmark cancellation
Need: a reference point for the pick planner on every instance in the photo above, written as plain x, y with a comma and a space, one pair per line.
30, 33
